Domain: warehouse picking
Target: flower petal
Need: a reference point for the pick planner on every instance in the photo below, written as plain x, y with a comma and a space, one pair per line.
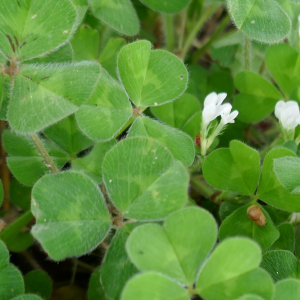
221, 98
211, 98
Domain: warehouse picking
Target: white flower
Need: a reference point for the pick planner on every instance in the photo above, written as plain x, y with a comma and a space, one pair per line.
212, 106
288, 114
227, 115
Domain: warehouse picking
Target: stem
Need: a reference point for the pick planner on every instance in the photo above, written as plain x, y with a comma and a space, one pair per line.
169, 31
13, 229
202, 50
196, 29
182, 29
48, 160
247, 53
202, 187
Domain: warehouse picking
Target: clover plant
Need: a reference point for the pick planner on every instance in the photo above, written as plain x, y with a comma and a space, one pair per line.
150, 149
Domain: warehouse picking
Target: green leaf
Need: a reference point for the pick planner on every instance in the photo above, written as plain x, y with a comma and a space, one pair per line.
137, 173
177, 249
257, 98
27, 297
232, 258
85, 43
151, 77
227, 208
231, 271
38, 282
287, 289
91, 163
235, 169
108, 56
179, 112
179, 143
81, 7
95, 290
270, 190
167, 6
68, 137
107, 111
283, 62
117, 269
14, 238
286, 239
70, 212
43, 95
25, 162
250, 297
239, 224
297, 245
257, 282
32, 28
118, 14
287, 172
152, 285
264, 21
10, 277
62, 55
280, 264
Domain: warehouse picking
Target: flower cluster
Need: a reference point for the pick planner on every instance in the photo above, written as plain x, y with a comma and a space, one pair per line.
214, 108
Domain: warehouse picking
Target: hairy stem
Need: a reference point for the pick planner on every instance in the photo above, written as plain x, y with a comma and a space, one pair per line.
202, 187
48, 160
169, 31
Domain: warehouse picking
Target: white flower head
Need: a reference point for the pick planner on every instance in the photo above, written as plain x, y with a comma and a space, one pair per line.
213, 106
227, 115
288, 114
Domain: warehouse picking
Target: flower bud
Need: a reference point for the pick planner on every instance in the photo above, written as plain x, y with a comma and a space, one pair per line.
256, 215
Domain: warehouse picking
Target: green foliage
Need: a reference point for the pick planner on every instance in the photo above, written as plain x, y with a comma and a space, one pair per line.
95, 291
174, 249
173, 139
270, 190
11, 279
25, 162
264, 21
30, 29
110, 143
239, 224
151, 285
49, 94
79, 212
280, 264
286, 239
151, 77
235, 169
145, 194
91, 163
38, 282
255, 91
287, 171
167, 6
287, 289
118, 14
117, 265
